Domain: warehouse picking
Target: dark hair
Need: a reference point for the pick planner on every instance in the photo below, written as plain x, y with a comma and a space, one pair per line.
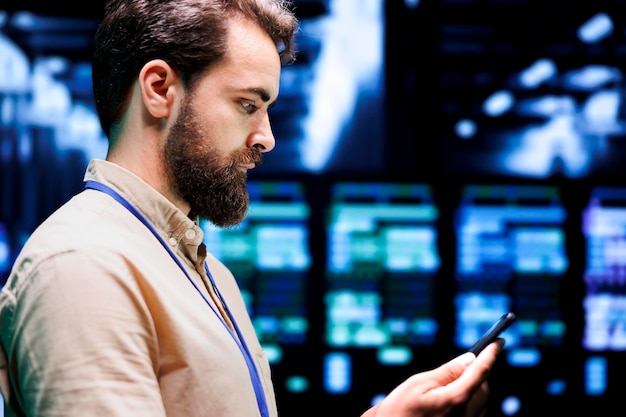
190, 35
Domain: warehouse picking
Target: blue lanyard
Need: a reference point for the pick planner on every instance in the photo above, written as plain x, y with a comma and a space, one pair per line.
238, 337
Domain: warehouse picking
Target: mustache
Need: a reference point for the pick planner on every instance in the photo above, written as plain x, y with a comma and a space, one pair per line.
248, 156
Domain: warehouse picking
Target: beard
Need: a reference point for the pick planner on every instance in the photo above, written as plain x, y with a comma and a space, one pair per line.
211, 183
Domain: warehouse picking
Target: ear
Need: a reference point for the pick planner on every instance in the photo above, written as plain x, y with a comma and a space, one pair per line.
158, 86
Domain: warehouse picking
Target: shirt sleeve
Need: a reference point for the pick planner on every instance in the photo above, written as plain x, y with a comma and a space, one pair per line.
83, 339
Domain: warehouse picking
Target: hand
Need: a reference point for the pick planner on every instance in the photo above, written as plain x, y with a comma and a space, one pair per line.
458, 387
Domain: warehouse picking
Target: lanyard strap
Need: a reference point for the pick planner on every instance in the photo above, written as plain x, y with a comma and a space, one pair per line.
237, 336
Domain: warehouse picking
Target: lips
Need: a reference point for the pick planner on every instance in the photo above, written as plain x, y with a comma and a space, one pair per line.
248, 159
247, 167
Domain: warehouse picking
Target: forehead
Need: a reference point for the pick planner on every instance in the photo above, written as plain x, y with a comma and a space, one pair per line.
251, 61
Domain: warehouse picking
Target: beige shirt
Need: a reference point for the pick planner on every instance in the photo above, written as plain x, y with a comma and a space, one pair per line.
96, 319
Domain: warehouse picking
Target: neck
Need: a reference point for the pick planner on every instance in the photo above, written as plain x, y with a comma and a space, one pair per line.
149, 165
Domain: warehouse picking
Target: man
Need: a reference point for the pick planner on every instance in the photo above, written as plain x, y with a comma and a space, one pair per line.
113, 307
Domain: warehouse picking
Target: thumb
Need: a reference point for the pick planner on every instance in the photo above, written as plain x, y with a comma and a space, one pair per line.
452, 370
464, 359
371, 412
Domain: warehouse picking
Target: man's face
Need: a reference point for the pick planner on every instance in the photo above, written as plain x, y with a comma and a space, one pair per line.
211, 182
223, 127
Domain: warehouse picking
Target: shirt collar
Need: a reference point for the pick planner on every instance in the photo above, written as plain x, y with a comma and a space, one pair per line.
180, 232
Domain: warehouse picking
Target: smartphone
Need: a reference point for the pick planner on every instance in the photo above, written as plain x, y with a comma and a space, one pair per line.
492, 334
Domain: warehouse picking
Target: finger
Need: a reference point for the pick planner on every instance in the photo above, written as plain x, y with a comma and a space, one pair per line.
470, 378
489, 355
479, 369
370, 413
444, 374
477, 405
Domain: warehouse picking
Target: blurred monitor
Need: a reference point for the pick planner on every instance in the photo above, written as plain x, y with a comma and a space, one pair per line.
511, 256
268, 253
382, 259
513, 89
604, 228
604, 302
329, 116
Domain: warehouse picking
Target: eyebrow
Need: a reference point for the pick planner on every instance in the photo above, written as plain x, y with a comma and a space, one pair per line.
262, 93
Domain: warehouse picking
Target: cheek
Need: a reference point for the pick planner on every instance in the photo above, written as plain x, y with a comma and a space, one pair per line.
227, 140
221, 123
229, 137
225, 129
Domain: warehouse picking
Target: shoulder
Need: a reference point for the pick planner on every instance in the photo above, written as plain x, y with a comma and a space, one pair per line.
86, 239
217, 267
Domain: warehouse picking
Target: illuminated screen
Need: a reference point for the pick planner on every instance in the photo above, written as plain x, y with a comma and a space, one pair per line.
329, 115
382, 258
268, 253
47, 82
604, 227
604, 303
514, 88
511, 257
5, 250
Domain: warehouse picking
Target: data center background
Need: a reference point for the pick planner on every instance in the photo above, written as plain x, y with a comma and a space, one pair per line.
437, 164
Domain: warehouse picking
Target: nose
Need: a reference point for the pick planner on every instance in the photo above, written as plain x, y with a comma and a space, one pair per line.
263, 137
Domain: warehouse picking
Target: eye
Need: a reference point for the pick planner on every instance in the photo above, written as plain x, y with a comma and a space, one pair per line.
248, 107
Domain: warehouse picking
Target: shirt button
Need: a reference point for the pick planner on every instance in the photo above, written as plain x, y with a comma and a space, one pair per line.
190, 234
173, 241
